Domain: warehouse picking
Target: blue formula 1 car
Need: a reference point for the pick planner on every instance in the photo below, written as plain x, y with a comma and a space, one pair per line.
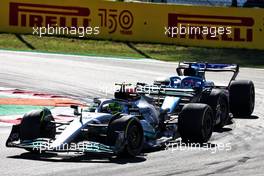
189, 87
146, 116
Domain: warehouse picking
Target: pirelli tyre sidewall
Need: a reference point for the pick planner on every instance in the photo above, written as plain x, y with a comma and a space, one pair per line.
242, 98
195, 123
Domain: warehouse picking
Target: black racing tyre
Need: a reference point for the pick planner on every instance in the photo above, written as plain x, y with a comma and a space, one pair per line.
195, 123
37, 124
133, 134
242, 98
218, 101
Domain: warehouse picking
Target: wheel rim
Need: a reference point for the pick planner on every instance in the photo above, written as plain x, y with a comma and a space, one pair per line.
134, 137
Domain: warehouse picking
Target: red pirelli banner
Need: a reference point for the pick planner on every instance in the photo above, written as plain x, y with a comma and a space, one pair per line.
137, 22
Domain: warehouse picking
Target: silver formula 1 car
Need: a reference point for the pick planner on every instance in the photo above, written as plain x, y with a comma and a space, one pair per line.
123, 125
120, 126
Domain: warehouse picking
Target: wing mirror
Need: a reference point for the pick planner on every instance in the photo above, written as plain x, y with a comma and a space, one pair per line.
76, 110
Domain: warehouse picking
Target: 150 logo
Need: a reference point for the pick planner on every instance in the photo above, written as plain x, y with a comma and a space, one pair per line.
112, 18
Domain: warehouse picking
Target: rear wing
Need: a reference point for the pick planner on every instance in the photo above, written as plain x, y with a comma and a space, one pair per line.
208, 67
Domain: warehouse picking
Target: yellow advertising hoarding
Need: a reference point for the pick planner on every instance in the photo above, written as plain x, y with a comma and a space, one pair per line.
140, 22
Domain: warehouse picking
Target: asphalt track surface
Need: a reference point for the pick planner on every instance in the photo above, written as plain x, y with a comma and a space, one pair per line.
86, 77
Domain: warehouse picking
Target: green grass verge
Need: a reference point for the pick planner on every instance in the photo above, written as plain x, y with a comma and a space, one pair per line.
249, 58
6, 110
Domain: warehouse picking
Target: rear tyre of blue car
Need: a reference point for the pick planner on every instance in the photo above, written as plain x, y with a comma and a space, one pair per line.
242, 98
133, 135
195, 123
